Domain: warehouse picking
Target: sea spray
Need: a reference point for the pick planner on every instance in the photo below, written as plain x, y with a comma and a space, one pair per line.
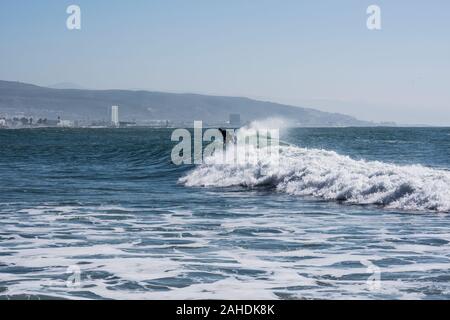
224, 145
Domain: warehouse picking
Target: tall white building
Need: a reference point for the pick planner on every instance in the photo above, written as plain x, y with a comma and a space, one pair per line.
115, 116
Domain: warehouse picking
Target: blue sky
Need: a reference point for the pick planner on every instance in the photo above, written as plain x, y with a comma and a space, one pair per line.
309, 53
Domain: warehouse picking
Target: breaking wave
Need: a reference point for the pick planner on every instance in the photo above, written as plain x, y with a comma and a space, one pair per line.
328, 175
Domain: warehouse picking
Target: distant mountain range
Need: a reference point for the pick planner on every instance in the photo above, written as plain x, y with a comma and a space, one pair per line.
79, 104
66, 85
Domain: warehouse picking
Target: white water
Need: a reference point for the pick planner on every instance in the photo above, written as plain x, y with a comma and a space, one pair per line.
313, 256
328, 175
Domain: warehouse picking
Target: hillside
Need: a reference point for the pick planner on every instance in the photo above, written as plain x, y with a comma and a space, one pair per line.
75, 104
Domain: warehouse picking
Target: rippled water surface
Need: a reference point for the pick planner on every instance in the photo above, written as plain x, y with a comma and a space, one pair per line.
349, 213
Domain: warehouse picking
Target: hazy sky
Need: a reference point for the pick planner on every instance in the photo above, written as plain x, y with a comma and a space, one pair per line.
310, 53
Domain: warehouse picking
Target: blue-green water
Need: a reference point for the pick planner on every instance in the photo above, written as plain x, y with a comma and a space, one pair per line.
343, 208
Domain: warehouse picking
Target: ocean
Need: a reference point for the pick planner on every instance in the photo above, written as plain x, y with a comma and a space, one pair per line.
347, 213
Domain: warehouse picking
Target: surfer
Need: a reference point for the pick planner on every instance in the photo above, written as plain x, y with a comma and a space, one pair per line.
227, 136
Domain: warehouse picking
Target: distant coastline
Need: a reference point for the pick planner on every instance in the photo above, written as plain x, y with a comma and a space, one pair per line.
145, 108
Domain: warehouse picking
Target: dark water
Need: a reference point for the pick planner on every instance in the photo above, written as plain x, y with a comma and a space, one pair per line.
108, 207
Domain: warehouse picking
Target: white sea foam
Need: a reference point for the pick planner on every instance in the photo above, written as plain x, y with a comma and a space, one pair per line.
302, 256
328, 175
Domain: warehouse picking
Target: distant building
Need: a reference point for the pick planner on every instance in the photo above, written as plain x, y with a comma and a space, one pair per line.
235, 120
51, 123
115, 116
66, 124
